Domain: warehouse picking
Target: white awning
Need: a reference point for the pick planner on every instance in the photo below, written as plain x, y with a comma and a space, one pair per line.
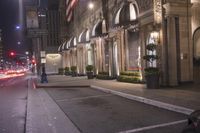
84, 37
99, 29
126, 14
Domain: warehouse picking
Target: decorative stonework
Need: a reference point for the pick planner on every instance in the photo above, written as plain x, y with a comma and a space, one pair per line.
157, 11
145, 5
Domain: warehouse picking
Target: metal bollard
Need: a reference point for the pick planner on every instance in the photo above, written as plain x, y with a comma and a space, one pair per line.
44, 78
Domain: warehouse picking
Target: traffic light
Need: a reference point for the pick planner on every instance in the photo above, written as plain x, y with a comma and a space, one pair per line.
12, 54
33, 61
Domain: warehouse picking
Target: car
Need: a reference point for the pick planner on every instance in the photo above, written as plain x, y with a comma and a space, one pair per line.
193, 123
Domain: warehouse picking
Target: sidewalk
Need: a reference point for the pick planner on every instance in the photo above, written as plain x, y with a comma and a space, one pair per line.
186, 97
44, 115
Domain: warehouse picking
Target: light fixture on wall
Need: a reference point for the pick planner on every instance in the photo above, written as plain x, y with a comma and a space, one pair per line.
155, 36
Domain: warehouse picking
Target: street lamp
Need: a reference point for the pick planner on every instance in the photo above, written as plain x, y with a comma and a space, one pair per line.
17, 27
91, 5
19, 43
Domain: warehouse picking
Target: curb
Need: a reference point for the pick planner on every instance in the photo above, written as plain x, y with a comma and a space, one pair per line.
57, 86
158, 104
54, 86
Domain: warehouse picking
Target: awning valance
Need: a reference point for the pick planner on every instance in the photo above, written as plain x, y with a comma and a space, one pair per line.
61, 47
65, 46
99, 29
72, 43
84, 37
126, 15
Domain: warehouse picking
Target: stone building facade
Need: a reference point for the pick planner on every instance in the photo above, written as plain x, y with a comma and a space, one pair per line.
113, 35
1, 47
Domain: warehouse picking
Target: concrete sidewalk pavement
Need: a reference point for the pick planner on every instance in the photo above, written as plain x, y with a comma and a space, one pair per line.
183, 99
44, 115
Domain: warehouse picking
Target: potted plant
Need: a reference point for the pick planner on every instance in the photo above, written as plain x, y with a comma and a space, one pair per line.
60, 71
89, 69
74, 71
151, 72
67, 71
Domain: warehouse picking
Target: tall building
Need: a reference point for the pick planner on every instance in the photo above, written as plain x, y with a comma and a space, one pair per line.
1, 46
112, 35
53, 25
1, 51
42, 29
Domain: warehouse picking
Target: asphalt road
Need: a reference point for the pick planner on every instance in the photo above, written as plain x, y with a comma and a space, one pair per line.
13, 95
93, 111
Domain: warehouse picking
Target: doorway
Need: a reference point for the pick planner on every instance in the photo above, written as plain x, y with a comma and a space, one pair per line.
196, 55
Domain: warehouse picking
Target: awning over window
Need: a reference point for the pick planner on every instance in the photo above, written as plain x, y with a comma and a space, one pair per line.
72, 43
84, 37
126, 15
61, 47
65, 47
99, 29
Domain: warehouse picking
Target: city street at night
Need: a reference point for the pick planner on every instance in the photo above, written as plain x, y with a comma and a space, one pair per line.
68, 108
99, 66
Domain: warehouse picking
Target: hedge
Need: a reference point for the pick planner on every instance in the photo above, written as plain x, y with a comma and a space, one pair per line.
128, 79
104, 76
136, 73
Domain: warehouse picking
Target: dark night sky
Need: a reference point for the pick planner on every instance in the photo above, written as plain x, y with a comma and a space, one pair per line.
8, 20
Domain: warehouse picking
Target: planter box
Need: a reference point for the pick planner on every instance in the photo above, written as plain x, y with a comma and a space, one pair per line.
152, 81
90, 75
74, 74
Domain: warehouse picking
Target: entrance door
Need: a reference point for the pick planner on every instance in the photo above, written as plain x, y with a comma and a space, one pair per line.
196, 61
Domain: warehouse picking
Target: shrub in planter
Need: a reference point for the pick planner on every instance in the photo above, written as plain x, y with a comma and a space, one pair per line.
130, 77
89, 69
67, 71
135, 73
151, 73
104, 76
74, 71
60, 71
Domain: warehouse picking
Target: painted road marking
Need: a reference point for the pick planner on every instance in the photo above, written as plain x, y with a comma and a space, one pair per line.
155, 103
83, 98
154, 126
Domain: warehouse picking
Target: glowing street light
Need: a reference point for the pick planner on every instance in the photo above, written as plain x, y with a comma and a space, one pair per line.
18, 43
17, 27
91, 5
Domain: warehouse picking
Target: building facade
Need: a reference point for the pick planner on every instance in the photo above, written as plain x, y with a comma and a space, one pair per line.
1, 48
42, 21
113, 36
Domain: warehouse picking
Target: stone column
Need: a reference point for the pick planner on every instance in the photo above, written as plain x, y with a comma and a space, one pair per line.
179, 45
172, 51
111, 57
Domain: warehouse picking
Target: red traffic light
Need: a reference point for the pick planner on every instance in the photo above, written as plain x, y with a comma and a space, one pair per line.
33, 61
12, 54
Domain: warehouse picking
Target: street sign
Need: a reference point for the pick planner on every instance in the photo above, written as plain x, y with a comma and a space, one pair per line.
42, 54
43, 60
